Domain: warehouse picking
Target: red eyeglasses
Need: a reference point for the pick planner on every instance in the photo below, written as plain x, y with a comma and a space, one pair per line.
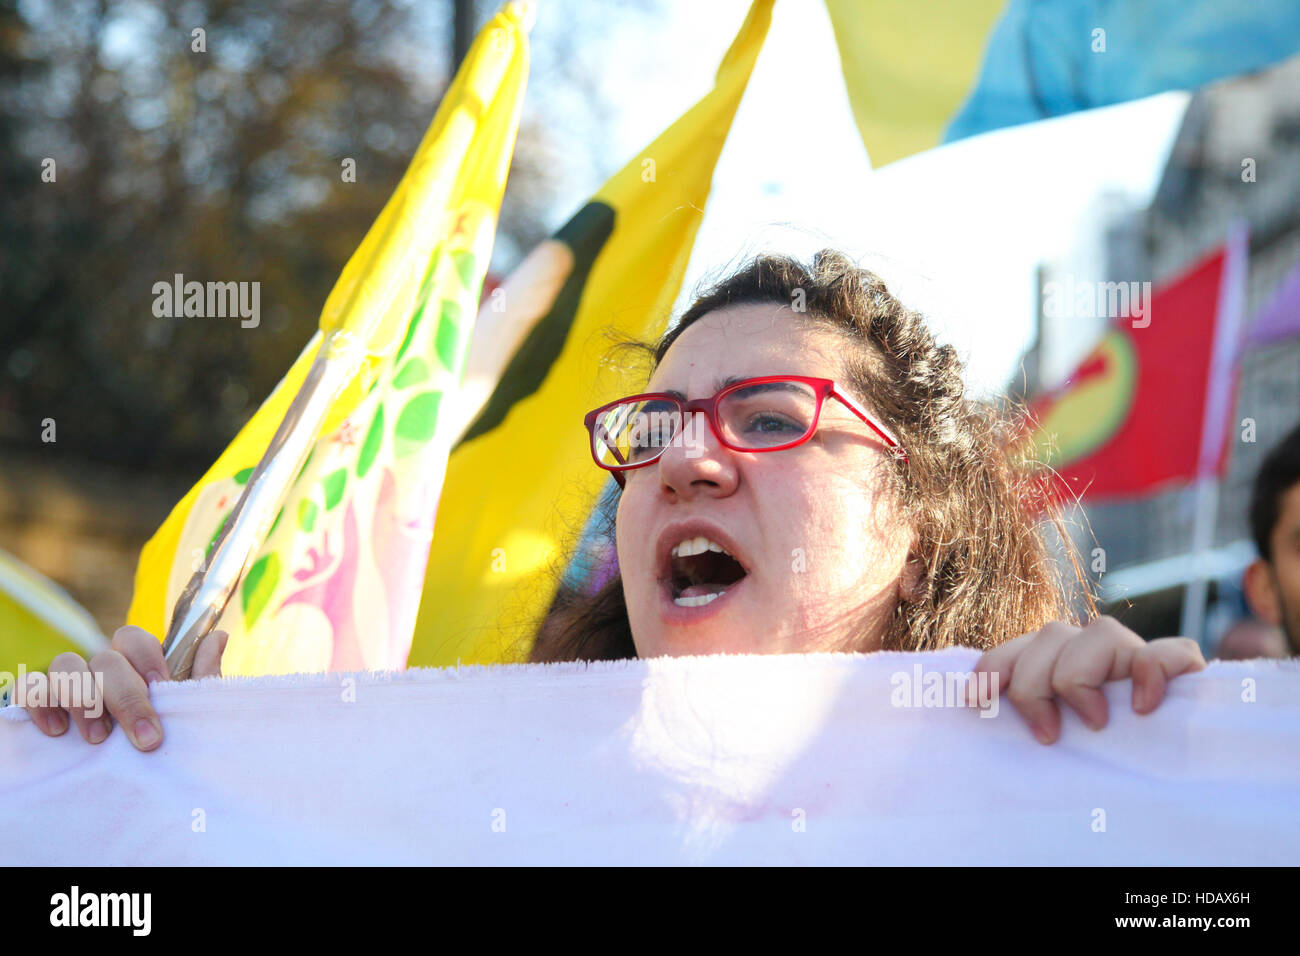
769, 413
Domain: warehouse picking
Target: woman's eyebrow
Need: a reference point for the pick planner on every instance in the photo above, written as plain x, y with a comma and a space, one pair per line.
772, 387
718, 386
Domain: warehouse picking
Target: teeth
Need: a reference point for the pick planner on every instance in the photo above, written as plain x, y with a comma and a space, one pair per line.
699, 600
697, 545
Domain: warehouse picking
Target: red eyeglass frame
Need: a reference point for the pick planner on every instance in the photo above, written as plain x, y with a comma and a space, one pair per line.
823, 387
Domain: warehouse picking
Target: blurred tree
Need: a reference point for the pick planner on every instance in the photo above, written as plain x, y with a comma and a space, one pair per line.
208, 139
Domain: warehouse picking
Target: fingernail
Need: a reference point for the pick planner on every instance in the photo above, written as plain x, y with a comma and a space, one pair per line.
146, 735
152, 676
1140, 696
58, 723
98, 730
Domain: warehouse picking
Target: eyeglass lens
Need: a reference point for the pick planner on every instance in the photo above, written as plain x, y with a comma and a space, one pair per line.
752, 418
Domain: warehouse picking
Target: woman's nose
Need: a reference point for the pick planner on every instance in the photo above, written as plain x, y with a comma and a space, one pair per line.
696, 460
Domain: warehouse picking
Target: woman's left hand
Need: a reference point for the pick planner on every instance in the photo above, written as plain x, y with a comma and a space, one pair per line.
1072, 663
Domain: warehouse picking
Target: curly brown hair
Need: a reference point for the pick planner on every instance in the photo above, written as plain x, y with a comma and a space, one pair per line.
990, 573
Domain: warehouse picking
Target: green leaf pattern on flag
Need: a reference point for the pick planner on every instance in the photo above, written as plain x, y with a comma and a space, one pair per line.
335, 484
307, 511
212, 542
449, 334
413, 373
259, 585
416, 423
465, 267
374, 438
387, 440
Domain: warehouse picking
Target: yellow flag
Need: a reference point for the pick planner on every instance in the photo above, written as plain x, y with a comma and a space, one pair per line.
909, 67
522, 483
336, 584
39, 621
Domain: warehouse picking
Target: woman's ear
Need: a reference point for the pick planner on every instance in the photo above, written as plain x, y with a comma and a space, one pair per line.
1260, 585
909, 582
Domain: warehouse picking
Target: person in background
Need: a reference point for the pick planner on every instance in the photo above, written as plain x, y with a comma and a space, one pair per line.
1250, 638
1272, 581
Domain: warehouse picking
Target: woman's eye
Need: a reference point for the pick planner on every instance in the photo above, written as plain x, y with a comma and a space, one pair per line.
647, 442
771, 424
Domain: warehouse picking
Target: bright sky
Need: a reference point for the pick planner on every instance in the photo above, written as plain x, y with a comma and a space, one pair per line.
957, 232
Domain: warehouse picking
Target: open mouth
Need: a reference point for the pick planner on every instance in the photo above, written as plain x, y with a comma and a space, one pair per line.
700, 571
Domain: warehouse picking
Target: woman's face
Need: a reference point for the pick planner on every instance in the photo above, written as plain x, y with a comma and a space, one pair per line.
814, 527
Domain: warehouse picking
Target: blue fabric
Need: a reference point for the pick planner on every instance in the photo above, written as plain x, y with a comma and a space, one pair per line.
595, 558
1040, 60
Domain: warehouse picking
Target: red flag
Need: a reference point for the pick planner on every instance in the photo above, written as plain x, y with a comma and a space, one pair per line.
1131, 417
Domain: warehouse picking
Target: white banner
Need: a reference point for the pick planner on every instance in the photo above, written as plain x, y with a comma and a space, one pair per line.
822, 759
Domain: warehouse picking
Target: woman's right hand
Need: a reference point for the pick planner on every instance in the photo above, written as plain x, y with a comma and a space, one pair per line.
133, 662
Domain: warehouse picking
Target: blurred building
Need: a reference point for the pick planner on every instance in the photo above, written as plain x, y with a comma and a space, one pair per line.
1148, 542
